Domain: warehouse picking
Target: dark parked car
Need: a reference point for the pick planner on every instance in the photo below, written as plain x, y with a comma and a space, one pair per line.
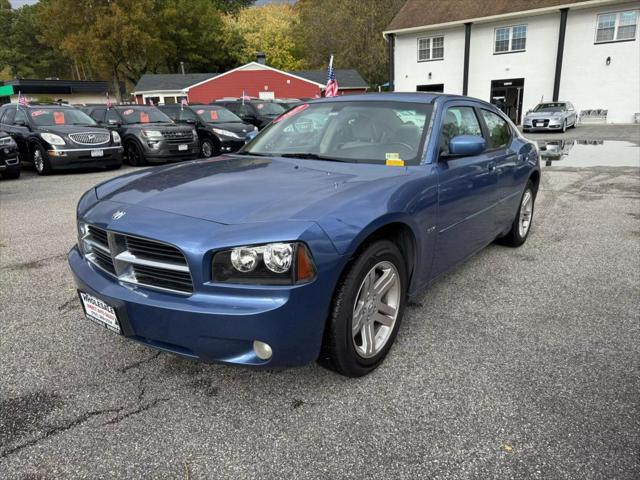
148, 135
60, 137
257, 112
219, 130
308, 243
9, 159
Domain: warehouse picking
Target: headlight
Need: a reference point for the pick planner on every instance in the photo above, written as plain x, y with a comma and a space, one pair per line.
7, 142
255, 129
226, 133
152, 134
116, 137
82, 234
52, 139
282, 263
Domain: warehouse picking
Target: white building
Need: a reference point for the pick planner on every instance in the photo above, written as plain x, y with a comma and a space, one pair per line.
517, 53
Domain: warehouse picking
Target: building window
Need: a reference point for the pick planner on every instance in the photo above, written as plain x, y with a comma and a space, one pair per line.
430, 48
617, 26
510, 39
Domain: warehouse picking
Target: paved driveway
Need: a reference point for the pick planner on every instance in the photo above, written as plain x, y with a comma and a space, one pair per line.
522, 363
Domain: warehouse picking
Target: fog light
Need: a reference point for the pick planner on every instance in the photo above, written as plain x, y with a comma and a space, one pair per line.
263, 350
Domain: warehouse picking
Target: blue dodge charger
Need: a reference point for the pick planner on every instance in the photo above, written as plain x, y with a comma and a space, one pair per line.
307, 243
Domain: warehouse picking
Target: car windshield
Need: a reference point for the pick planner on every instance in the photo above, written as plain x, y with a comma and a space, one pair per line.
550, 107
43, 117
347, 131
143, 115
213, 114
268, 108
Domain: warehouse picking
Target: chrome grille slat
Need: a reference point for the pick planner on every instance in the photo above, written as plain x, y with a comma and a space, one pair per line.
137, 260
90, 138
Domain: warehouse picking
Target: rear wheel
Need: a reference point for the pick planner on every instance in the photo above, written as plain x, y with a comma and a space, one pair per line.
524, 218
134, 154
367, 311
41, 160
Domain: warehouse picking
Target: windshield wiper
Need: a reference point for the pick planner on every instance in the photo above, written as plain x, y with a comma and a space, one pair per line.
308, 156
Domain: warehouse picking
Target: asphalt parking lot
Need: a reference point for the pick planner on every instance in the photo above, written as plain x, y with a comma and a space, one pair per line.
522, 363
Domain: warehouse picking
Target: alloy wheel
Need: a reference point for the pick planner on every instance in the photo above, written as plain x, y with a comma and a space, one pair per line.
206, 148
526, 213
38, 160
375, 310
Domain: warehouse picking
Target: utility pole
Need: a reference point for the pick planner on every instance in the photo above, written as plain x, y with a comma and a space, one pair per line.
182, 67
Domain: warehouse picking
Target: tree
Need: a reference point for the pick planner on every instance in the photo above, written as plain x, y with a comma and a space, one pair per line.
267, 29
352, 31
23, 53
233, 6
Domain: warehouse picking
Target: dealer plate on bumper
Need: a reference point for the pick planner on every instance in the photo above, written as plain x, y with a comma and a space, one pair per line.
97, 153
98, 311
183, 148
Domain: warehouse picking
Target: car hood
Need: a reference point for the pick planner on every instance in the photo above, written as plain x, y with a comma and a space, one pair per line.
241, 189
235, 127
543, 114
67, 129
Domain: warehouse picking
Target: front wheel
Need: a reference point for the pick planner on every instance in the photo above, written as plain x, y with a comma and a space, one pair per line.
134, 154
524, 218
367, 311
207, 148
41, 160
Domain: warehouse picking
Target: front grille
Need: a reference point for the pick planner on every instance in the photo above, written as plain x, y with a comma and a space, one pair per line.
178, 136
540, 123
90, 138
138, 260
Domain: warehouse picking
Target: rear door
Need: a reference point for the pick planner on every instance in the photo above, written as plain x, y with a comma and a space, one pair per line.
17, 125
467, 191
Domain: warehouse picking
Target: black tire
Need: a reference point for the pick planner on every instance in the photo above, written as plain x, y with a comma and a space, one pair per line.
40, 160
338, 350
208, 148
134, 154
514, 237
11, 173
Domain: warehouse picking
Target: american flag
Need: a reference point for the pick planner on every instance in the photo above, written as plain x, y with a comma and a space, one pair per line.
332, 84
22, 100
183, 103
151, 102
109, 104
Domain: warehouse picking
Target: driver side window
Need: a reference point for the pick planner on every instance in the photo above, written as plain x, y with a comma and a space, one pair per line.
458, 121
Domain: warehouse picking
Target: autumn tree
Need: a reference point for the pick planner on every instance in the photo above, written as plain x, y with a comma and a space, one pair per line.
267, 29
351, 30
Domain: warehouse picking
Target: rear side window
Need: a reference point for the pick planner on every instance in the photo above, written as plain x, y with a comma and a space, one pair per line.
7, 118
98, 114
497, 129
458, 121
21, 117
112, 116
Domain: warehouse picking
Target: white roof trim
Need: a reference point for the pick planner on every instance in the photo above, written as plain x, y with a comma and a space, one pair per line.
148, 92
259, 66
504, 16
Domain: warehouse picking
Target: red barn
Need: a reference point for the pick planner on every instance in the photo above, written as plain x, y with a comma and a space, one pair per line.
253, 79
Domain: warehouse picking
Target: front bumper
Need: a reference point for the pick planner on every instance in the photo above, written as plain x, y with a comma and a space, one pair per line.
9, 161
64, 158
543, 124
218, 326
230, 145
164, 151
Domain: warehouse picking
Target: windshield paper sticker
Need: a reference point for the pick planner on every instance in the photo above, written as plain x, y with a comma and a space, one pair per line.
37, 113
58, 118
144, 118
292, 112
214, 115
393, 160
128, 112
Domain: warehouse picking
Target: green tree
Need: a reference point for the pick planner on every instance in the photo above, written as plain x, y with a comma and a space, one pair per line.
23, 53
268, 29
350, 30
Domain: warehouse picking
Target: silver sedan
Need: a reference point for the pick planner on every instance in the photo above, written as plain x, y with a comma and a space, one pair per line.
556, 116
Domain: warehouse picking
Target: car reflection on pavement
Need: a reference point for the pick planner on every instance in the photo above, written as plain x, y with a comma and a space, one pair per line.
589, 153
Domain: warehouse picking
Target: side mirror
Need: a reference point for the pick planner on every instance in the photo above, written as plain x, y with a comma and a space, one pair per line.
250, 136
528, 112
20, 123
467, 146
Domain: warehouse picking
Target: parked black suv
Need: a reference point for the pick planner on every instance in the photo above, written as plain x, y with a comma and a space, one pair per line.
9, 160
257, 112
148, 135
59, 136
219, 130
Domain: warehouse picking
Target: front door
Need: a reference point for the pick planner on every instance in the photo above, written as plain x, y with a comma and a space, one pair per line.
466, 192
507, 95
